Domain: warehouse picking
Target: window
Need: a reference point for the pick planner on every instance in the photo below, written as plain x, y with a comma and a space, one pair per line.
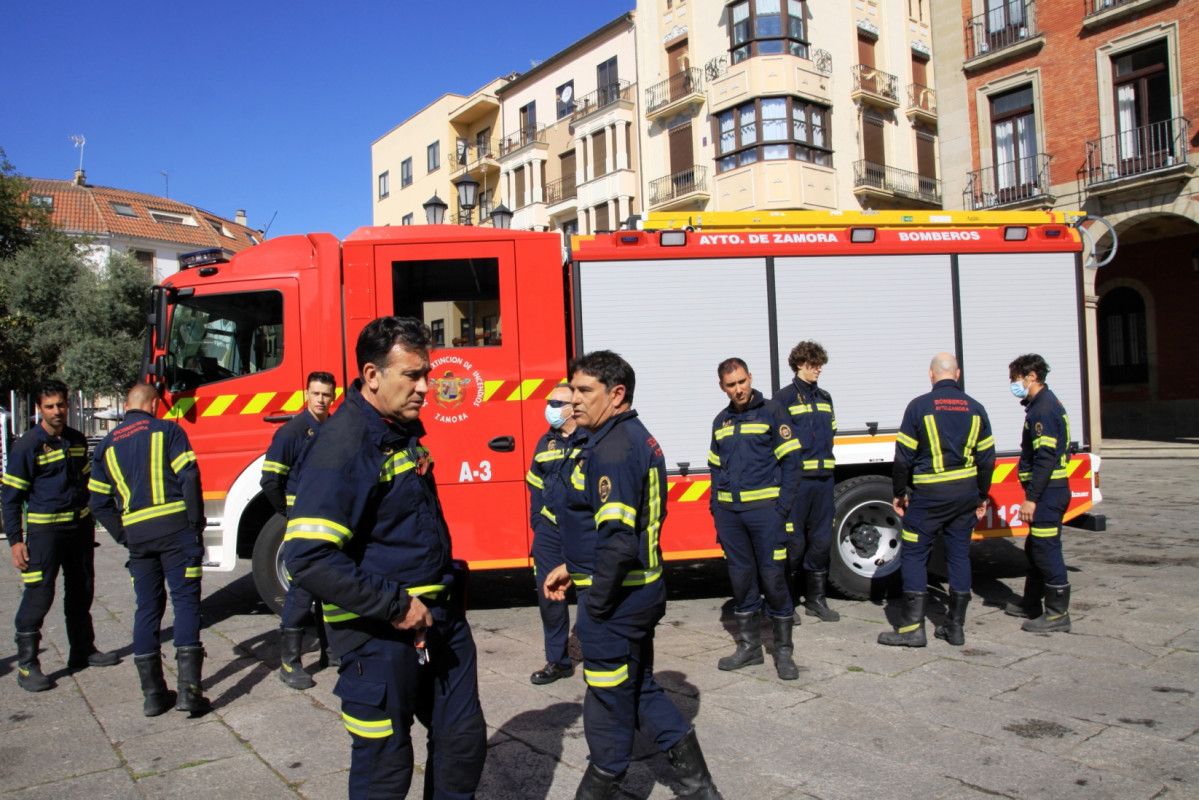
528, 123
566, 99
384, 184
42, 200
146, 259
407, 220
772, 128
220, 228
171, 219
602, 219
1123, 340
483, 143
433, 153
437, 327
1014, 140
916, 10
874, 149
926, 160
1145, 135
766, 27
461, 293
405, 172
220, 336
1006, 23
608, 82
123, 209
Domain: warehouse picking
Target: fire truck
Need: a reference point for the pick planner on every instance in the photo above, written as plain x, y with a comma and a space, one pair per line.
231, 340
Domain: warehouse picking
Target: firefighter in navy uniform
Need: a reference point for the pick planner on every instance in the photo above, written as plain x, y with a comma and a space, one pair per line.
944, 457
146, 491
547, 479
1042, 469
811, 526
610, 528
46, 479
753, 460
367, 536
280, 478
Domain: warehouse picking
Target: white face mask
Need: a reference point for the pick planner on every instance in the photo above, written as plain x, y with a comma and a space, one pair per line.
557, 417
1018, 389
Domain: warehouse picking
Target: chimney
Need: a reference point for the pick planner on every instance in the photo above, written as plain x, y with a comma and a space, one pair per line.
80, 180
240, 217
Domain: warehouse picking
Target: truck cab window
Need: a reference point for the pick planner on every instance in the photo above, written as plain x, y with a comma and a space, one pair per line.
460, 295
220, 336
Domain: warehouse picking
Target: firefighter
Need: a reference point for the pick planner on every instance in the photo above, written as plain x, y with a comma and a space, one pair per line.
280, 477
367, 536
610, 529
1044, 457
47, 479
811, 526
754, 464
146, 491
944, 457
547, 479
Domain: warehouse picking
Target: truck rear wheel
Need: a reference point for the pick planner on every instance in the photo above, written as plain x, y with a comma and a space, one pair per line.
867, 539
269, 576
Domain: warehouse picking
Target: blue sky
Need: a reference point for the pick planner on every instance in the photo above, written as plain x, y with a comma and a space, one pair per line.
266, 106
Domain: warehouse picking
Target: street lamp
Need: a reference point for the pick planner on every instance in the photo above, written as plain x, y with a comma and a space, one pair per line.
468, 194
435, 210
501, 217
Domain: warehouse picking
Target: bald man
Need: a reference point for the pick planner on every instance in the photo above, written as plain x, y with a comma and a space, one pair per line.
944, 457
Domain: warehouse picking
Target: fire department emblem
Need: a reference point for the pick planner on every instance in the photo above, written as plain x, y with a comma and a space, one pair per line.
605, 489
553, 445
1038, 429
46, 448
785, 431
458, 388
449, 389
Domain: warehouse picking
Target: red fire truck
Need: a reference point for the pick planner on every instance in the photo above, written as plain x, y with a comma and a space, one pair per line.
231, 341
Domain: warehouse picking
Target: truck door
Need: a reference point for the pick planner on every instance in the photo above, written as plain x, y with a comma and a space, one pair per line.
465, 291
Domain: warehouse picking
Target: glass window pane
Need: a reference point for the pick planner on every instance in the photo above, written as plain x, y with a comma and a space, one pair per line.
770, 46
220, 336
749, 127
774, 152
726, 163
465, 293
774, 119
728, 136
747, 156
799, 122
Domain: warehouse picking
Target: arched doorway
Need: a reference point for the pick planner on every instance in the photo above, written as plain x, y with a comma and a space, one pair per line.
1123, 338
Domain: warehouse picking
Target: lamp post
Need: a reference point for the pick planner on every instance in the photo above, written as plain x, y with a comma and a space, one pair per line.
434, 210
468, 194
501, 217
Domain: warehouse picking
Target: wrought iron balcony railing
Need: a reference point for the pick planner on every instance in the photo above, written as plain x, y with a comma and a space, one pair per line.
562, 189
922, 98
1018, 181
1005, 24
1099, 6
876, 82
1136, 151
467, 154
679, 184
896, 181
673, 89
522, 137
601, 98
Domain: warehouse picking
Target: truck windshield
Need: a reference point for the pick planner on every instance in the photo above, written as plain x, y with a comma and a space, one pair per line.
220, 336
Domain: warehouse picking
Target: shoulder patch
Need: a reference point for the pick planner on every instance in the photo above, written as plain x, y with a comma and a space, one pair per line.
785, 431
552, 445
1038, 428
605, 488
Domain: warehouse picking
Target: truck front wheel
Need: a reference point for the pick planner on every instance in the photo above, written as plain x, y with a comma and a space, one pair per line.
269, 576
867, 539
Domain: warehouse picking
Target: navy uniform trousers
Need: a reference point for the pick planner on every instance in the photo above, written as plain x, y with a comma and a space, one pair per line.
1043, 547
73, 551
924, 518
555, 614
382, 687
811, 524
176, 559
755, 547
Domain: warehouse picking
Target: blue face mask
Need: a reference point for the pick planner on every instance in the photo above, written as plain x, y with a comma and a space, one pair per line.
1018, 389
557, 417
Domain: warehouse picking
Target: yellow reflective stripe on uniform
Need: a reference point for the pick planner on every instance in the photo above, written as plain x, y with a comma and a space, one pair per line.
274, 466
723, 432
153, 512
432, 591
395, 465
16, 483
77, 451
335, 613
1044, 441
182, 460
35, 518
830, 463
943, 477
577, 479
616, 512
655, 517
825, 407
972, 439
906, 441
909, 536
321, 529
550, 455
114, 472
96, 486
641, 577
31, 577
47, 458
796, 410
789, 446
580, 579
910, 628
1043, 532
1057, 473
84, 512
534, 480
790, 527
367, 729
754, 427
713, 459
986, 444
193, 572
545, 512
291, 499
780, 555
760, 494
157, 456
724, 497
606, 679
813, 464
934, 443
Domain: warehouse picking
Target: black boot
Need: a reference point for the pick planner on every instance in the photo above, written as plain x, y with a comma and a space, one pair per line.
1057, 611
1029, 606
955, 618
158, 698
94, 658
597, 784
910, 632
815, 604
291, 671
190, 661
784, 664
749, 643
691, 770
29, 668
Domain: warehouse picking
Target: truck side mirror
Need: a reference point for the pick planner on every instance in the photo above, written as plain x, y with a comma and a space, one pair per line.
160, 318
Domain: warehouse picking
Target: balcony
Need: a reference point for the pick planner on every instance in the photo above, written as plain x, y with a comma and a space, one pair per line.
522, 139
1007, 30
561, 190
873, 86
769, 75
1137, 157
477, 158
1102, 12
679, 188
922, 104
1023, 182
674, 94
605, 96
871, 180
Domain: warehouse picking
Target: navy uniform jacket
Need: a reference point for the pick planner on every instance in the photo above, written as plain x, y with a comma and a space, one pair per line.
813, 422
48, 474
944, 447
548, 476
279, 478
754, 457
614, 511
366, 531
145, 481
1044, 445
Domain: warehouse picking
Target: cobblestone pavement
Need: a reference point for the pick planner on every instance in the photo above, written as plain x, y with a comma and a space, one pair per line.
1109, 711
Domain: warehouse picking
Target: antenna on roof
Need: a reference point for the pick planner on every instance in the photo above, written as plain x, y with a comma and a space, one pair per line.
79, 142
269, 224
167, 181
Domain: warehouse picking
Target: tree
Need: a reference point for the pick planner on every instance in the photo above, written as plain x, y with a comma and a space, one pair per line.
21, 222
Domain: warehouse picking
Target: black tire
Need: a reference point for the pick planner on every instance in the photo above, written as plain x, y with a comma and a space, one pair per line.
269, 577
867, 539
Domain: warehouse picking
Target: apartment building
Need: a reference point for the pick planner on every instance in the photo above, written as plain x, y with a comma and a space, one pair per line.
760, 104
1086, 105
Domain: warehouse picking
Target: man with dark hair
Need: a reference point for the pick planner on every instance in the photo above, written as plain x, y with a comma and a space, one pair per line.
280, 478
146, 491
46, 479
944, 457
367, 536
1044, 459
548, 476
610, 530
811, 527
753, 460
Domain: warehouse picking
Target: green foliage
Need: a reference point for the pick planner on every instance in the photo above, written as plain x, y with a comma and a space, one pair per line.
20, 222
